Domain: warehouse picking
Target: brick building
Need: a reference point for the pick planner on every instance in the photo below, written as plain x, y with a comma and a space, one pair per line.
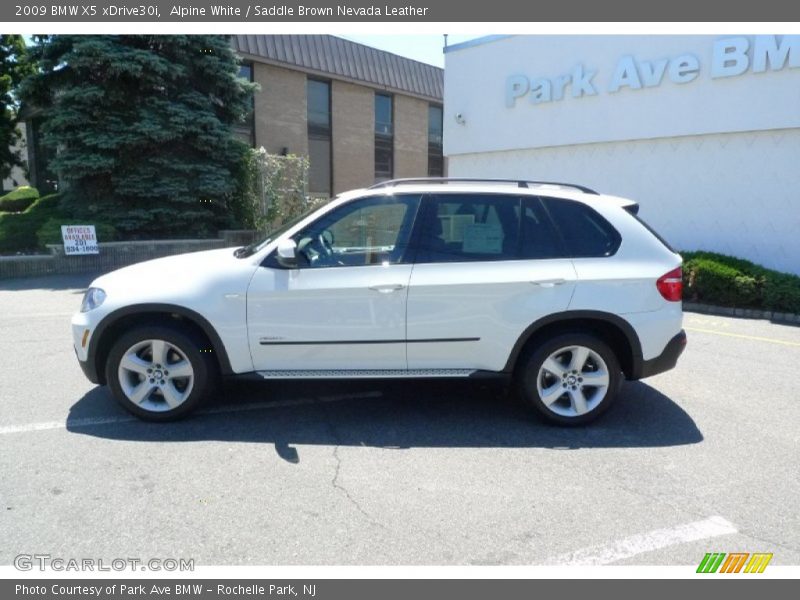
361, 115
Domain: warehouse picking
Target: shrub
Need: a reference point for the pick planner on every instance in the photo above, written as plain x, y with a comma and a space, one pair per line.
18, 199
18, 230
728, 281
50, 231
782, 293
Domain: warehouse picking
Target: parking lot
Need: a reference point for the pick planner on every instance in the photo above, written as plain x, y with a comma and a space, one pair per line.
700, 459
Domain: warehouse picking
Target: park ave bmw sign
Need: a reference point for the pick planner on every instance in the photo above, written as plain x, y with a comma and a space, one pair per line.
730, 57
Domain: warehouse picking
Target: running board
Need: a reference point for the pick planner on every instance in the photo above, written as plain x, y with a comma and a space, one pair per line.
365, 374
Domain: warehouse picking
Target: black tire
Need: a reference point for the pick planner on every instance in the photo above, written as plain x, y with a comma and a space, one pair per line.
184, 345
530, 376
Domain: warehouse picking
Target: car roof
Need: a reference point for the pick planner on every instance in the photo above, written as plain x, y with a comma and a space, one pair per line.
510, 188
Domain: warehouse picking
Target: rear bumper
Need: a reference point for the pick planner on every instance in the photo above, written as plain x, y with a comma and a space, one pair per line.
666, 360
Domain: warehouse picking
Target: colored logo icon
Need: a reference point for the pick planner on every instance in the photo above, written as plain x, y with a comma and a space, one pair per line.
734, 562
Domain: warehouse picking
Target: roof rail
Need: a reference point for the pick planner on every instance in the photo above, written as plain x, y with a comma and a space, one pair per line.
523, 183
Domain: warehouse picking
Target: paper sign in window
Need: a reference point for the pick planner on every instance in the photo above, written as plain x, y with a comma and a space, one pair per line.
453, 226
483, 238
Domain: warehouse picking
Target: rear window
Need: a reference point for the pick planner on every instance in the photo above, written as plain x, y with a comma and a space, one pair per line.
655, 233
584, 231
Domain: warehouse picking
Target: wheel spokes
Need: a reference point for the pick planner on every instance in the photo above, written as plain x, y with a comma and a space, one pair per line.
131, 362
573, 381
171, 395
141, 392
578, 401
179, 369
553, 393
595, 378
160, 350
579, 356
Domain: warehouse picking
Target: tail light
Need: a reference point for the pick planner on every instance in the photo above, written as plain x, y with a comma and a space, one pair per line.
670, 285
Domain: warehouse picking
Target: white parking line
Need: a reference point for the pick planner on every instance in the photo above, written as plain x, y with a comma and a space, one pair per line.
94, 421
605, 554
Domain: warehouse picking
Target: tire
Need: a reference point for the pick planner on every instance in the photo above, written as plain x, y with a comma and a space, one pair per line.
553, 376
158, 373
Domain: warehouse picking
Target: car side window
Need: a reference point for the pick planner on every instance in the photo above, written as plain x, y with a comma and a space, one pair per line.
539, 237
470, 227
584, 231
368, 231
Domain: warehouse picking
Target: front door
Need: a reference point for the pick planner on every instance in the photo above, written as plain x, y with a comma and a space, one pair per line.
344, 307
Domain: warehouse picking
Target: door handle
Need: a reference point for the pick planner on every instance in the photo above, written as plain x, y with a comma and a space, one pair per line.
548, 283
387, 287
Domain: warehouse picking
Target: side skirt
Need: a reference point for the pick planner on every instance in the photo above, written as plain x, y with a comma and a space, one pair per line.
365, 374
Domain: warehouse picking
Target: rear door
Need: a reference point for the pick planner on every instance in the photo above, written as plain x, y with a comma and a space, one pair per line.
487, 266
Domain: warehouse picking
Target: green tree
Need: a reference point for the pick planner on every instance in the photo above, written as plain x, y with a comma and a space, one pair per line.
143, 126
14, 67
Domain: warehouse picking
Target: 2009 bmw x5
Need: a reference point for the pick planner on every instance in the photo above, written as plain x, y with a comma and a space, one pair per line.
563, 289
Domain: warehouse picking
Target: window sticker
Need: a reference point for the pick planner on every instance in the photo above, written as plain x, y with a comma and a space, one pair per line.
483, 238
453, 226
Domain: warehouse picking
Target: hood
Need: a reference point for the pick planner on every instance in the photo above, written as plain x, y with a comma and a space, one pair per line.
160, 279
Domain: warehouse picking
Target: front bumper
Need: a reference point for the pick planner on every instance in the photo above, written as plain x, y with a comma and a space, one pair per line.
83, 328
89, 370
667, 359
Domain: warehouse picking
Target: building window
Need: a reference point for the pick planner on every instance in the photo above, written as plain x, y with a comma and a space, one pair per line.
435, 134
247, 128
319, 136
384, 137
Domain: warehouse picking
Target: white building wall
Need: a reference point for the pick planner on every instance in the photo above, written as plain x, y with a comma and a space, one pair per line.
713, 161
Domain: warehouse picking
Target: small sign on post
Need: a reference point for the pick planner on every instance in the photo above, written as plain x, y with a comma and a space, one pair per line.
79, 239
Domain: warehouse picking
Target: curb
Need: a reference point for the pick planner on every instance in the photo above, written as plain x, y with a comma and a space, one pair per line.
783, 318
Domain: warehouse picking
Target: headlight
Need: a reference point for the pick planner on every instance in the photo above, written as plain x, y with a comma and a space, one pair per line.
93, 298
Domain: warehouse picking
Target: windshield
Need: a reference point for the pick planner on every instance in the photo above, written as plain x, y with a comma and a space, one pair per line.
246, 251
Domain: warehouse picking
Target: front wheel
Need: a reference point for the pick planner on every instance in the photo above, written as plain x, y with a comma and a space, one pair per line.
571, 379
158, 372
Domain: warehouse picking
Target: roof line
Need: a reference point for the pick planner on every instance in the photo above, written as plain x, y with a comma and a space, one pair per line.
406, 58
486, 39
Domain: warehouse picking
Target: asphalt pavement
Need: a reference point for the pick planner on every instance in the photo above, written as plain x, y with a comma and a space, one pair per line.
701, 459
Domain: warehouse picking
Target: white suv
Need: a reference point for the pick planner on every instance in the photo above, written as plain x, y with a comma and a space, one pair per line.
555, 285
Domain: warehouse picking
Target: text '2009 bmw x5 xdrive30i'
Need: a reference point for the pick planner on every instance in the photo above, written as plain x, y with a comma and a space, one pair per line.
563, 289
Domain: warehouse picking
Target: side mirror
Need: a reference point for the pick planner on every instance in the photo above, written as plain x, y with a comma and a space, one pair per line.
287, 253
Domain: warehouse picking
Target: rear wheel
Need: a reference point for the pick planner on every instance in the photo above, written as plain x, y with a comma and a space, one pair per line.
158, 373
571, 379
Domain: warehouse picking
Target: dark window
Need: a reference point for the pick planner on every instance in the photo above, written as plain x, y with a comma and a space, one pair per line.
384, 138
435, 134
370, 231
584, 231
462, 228
319, 136
247, 128
539, 238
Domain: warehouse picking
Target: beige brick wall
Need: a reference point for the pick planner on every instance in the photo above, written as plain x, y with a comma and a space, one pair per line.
281, 122
410, 137
353, 128
280, 109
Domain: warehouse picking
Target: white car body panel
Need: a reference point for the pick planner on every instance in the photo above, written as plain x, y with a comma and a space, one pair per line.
212, 283
300, 318
487, 304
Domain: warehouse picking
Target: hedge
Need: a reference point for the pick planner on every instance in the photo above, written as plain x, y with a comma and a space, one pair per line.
18, 199
714, 278
18, 230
